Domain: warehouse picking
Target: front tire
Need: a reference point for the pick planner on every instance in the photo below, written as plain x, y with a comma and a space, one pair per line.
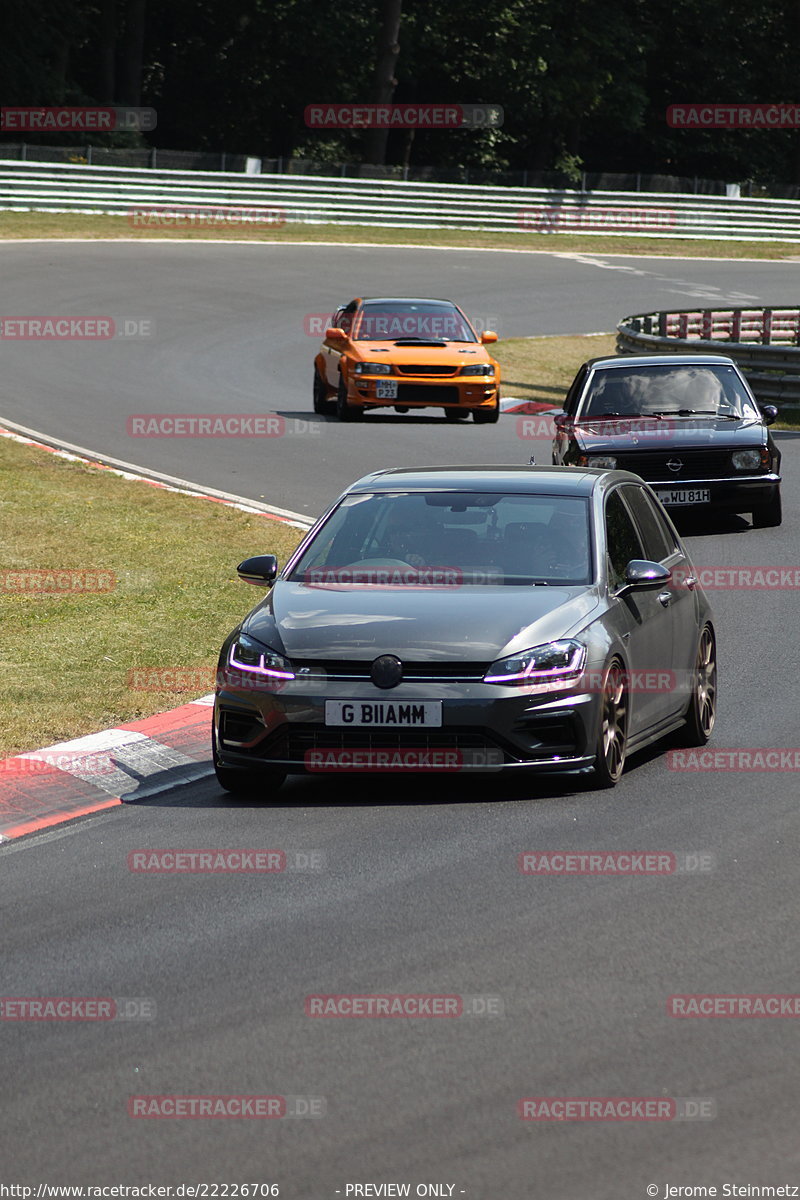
768, 516
322, 405
250, 785
345, 411
487, 416
702, 711
612, 737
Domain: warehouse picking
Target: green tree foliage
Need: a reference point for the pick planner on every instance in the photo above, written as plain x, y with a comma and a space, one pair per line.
584, 84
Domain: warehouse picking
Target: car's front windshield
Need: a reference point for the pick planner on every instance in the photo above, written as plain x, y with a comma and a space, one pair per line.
670, 390
449, 539
397, 319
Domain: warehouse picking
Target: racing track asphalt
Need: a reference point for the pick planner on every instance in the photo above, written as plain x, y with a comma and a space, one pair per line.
420, 890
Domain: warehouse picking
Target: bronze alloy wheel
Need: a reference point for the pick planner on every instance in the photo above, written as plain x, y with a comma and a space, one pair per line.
702, 711
613, 739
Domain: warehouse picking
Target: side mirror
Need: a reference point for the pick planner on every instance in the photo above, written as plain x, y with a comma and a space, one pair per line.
259, 570
642, 574
561, 420
335, 335
770, 414
488, 336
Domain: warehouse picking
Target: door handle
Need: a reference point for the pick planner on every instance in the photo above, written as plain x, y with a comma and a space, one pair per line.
664, 598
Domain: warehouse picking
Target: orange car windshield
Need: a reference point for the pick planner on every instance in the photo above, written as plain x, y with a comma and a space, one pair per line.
397, 321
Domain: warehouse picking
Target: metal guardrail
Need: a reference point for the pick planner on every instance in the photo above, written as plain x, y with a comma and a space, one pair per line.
764, 342
61, 187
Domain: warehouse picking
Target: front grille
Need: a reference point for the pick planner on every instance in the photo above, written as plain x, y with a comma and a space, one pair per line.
425, 369
410, 393
300, 740
696, 464
350, 669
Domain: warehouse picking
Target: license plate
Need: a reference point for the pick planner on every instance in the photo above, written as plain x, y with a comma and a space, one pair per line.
386, 389
396, 714
684, 495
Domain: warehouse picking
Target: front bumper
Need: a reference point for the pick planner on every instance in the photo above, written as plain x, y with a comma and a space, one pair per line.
448, 391
731, 494
484, 728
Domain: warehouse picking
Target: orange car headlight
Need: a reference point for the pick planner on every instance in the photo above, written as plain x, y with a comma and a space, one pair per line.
372, 368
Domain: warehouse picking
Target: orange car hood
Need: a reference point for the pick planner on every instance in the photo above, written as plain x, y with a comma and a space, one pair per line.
452, 352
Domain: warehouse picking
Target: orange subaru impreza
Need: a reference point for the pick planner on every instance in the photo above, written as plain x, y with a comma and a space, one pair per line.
405, 354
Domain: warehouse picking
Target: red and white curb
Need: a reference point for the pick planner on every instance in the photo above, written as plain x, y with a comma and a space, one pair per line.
117, 766
133, 761
130, 471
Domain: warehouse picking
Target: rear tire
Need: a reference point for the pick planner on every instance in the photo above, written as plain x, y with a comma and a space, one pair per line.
702, 711
455, 414
322, 404
768, 516
612, 737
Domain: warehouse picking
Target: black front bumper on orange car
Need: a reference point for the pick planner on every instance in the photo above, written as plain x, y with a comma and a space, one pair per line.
450, 392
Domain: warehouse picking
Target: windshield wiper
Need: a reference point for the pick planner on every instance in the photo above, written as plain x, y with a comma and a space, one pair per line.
687, 412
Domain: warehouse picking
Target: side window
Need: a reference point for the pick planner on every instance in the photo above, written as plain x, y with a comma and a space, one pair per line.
336, 319
576, 387
653, 532
622, 539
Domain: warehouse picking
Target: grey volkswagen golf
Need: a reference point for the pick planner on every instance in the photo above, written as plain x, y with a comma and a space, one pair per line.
469, 619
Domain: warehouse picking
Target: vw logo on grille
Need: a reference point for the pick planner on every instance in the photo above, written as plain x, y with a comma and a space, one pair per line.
674, 464
387, 671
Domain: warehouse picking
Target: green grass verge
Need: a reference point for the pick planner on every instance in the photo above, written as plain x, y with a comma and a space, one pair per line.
83, 225
542, 368
67, 658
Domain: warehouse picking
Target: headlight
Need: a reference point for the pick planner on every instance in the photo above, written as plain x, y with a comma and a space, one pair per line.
750, 460
372, 368
248, 655
601, 460
478, 369
556, 661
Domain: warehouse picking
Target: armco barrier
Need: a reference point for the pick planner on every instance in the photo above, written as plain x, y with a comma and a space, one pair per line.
764, 342
68, 187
